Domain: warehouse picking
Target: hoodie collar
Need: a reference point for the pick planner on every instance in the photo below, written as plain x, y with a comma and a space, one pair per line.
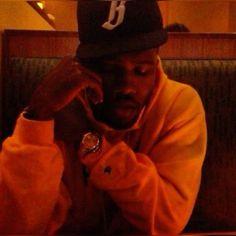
160, 81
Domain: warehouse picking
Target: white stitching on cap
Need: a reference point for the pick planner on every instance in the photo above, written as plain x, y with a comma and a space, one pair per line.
116, 7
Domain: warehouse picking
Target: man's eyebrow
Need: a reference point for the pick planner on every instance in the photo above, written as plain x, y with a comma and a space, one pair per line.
145, 61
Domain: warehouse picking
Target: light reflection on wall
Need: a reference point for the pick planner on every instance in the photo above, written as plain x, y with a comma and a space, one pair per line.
201, 16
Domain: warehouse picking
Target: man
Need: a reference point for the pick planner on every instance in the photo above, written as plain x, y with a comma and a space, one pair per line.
128, 145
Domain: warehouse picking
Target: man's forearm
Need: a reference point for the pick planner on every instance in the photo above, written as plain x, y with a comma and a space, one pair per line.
30, 168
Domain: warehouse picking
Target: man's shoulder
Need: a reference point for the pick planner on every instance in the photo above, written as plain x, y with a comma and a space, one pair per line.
175, 87
174, 91
182, 99
176, 99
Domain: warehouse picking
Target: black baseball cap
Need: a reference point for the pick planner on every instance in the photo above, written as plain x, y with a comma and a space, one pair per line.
131, 25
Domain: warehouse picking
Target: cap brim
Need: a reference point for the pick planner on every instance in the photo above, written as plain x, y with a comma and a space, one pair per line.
122, 45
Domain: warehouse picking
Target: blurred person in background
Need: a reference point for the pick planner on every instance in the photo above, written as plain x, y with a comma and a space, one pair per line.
176, 27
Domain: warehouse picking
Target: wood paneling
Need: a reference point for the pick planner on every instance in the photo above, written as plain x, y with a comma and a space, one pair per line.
180, 45
200, 46
24, 43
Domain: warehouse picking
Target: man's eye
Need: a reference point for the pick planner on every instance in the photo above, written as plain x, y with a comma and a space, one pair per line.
143, 71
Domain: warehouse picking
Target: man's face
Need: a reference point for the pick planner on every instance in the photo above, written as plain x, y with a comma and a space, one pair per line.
127, 82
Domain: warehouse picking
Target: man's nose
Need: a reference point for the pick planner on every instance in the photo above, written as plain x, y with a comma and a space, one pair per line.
127, 83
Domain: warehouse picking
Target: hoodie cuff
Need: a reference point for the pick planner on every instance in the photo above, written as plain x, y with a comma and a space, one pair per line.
34, 132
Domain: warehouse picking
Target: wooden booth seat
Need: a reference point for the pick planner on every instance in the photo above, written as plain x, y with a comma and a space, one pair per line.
205, 61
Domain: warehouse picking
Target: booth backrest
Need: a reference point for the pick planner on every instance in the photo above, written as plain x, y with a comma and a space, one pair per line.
205, 61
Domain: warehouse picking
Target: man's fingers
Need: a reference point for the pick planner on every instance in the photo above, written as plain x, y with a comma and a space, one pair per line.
95, 94
67, 81
92, 89
92, 74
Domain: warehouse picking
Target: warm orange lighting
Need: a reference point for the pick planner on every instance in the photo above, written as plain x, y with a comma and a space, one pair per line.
40, 5
51, 17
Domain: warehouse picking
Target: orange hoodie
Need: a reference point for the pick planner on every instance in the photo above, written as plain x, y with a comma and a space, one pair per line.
147, 182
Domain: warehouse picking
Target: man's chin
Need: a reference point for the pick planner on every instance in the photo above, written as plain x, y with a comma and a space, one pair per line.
122, 118
121, 124
116, 117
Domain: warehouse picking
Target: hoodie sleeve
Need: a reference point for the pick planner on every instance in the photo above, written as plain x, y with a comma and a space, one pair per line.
156, 192
31, 191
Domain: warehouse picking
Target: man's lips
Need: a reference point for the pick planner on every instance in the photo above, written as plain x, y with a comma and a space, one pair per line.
125, 104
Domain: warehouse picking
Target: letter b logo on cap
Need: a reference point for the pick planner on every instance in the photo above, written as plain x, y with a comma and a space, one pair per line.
117, 7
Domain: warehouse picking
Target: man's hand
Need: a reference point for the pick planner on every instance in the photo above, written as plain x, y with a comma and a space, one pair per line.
64, 83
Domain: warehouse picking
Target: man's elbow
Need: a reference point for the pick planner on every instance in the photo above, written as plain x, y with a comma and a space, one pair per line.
170, 226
